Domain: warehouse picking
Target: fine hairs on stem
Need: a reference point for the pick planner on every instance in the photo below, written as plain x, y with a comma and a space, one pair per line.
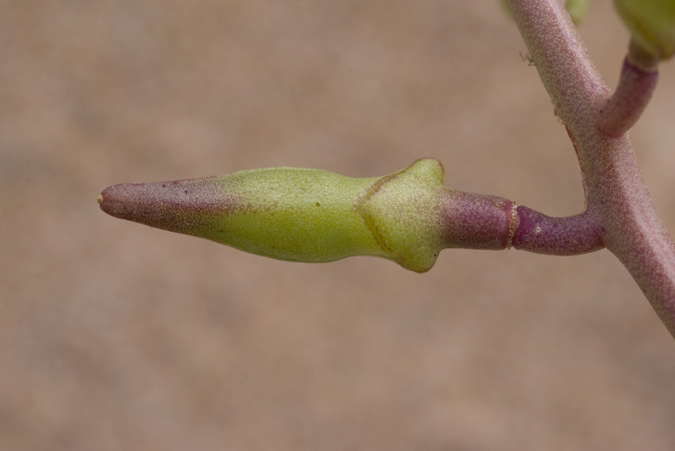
597, 121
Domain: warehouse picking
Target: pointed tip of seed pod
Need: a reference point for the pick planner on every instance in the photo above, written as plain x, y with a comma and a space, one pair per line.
184, 206
123, 201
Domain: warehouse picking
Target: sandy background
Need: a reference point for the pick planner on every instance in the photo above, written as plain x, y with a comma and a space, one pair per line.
117, 336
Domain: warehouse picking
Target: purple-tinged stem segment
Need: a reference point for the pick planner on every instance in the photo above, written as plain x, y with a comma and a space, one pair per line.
477, 221
630, 99
572, 235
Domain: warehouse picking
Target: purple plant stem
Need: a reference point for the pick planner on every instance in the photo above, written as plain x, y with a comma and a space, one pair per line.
616, 195
543, 234
477, 221
632, 95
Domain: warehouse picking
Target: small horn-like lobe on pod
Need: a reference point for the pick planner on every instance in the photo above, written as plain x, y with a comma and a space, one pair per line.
401, 210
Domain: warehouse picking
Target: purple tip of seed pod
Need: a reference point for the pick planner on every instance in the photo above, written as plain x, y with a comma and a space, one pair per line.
184, 206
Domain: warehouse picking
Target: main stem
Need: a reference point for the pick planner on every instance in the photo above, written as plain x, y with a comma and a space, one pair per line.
616, 194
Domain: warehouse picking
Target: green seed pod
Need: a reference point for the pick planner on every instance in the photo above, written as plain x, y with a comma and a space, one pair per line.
295, 214
310, 215
651, 24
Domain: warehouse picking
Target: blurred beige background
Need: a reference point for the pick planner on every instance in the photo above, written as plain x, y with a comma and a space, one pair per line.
117, 336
